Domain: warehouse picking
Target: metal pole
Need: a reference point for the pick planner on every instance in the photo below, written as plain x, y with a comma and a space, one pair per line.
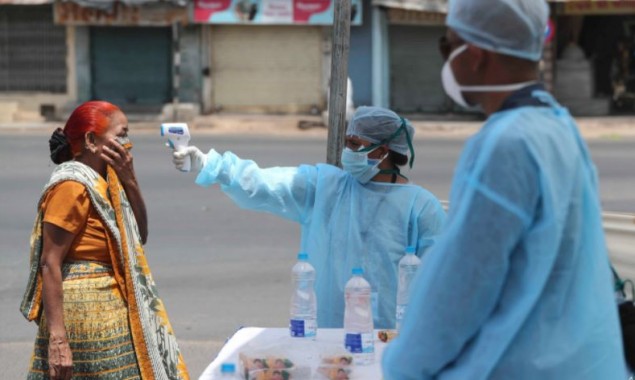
176, 69
338, 81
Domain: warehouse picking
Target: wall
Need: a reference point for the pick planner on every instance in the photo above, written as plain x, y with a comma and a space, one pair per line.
360, 58
191, 67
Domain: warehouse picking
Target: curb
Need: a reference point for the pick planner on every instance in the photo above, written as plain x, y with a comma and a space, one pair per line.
304, 126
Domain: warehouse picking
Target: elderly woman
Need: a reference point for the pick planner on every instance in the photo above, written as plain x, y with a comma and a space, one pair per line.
362, 216
90, 288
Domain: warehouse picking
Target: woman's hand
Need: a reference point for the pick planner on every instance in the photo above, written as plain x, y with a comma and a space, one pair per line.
60, 358
120, 159
57, 242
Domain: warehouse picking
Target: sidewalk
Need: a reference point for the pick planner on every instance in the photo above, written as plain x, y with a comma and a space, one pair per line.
427, 126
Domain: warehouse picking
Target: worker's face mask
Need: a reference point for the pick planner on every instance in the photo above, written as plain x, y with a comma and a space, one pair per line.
455, 90
359, 165
450, 85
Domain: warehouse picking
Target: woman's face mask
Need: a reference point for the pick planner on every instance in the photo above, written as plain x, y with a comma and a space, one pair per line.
359, 165
124, 141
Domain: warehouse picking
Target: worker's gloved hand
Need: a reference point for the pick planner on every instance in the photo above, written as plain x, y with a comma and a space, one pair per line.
198, 158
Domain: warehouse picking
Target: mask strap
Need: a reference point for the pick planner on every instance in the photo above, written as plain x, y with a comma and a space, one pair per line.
393, 171
409, 140
402, 129
498, 87
384, 141
369, 148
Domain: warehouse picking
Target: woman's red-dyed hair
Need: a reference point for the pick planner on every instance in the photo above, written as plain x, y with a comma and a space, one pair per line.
93, 116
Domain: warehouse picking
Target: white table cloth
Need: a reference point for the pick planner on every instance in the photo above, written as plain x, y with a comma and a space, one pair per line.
305, 353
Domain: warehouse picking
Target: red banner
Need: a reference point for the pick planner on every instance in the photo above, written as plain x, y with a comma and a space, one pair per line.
304, 9
271, 12
204, 9
599, 7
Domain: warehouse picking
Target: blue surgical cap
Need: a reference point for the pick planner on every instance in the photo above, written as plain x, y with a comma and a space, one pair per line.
377, 124
510, 27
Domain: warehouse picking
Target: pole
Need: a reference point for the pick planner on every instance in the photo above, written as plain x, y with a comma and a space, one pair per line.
176, 69
338, 81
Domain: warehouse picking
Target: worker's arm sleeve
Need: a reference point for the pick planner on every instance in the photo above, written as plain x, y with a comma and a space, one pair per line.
430, 225
288, 192
462, 277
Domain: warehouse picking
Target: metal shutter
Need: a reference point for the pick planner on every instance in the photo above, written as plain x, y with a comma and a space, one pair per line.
32, 50
415, 69
132, 66
266, 68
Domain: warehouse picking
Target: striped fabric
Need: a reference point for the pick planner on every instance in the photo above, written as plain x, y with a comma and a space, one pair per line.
97, 327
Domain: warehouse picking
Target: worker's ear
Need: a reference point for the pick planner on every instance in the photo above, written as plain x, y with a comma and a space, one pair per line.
480, 58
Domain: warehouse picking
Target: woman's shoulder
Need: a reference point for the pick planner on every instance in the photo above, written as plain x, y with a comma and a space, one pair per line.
66, 192
66, 205
69, 188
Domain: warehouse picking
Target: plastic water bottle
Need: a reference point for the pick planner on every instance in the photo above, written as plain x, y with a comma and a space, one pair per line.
303, 321
228, 371
408, 266
358, 319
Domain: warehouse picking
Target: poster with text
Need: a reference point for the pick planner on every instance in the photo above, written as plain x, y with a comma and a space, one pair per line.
271, 12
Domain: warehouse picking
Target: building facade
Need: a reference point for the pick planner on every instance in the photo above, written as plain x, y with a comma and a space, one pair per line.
34, 60
593, 56
176, 59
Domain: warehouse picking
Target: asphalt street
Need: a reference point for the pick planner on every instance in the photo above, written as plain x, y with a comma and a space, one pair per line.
217, 267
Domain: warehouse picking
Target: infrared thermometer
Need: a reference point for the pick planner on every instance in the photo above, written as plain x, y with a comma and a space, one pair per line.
178, 136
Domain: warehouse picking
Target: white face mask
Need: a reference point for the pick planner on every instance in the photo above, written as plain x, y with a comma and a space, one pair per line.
360, 166
455, 90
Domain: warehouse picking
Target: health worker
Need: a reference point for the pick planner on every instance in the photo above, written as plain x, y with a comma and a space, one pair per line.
518, 286
362, 216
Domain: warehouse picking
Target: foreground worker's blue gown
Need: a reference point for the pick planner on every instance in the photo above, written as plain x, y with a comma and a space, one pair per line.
518, 286
344, 224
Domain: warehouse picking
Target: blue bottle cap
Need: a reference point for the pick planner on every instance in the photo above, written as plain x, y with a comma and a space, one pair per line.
410, 250
228, 368
358, 271
303, 256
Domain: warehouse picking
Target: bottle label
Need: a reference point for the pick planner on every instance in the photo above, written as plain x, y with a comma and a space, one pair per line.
303, 328
360, 343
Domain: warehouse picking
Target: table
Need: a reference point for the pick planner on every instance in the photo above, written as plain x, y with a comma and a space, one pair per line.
306, 352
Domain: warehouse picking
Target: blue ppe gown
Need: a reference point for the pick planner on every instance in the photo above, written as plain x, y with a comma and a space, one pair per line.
344, 224
518, 285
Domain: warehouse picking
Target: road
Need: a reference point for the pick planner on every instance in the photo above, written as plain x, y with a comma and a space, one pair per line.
217, 267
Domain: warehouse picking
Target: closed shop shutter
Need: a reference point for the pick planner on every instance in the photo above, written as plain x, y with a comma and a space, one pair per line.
415, 69
266, 68
132, 66
32, 50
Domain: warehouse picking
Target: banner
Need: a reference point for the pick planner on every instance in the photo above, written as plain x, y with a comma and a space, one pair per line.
609, 7
271, 12
440, 6
160, 14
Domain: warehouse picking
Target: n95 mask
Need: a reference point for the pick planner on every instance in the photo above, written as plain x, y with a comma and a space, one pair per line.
455, 90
